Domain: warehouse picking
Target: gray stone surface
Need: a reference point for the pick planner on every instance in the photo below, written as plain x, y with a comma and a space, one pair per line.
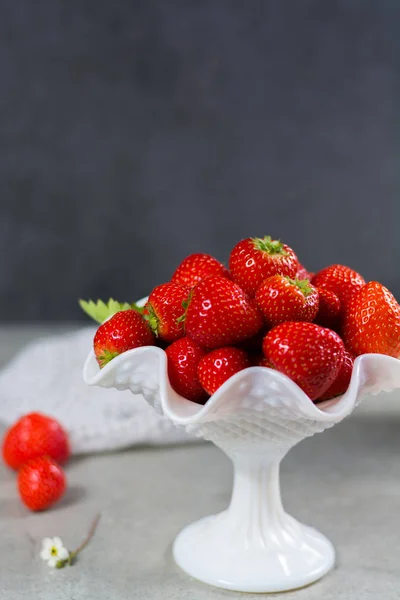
345, 482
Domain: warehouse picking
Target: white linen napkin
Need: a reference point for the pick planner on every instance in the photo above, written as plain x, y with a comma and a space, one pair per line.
46, 376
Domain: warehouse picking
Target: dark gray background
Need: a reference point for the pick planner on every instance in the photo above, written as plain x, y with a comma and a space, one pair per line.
134, 133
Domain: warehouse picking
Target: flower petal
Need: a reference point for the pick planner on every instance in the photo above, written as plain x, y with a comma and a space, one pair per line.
52, 562
57, 542
47, 542
63, 553
45, 554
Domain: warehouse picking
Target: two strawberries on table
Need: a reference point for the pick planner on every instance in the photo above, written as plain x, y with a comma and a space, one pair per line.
35, 446
267, 310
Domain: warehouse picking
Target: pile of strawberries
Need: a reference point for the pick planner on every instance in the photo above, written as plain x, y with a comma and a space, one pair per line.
35, 446
267, 310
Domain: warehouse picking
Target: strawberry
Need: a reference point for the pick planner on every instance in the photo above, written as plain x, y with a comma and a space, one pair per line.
219, 365
283, 299
125, 330
164, 309
371, 322
254, 259
183, 357
34, 435
329, 309
340, 280
220, 314
341, 383
41, 482
302, 273
196, 267
307, 353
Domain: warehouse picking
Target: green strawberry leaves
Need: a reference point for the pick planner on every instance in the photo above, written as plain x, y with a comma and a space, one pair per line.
185, 304
303, 284
152, 319
268, 245
100, 311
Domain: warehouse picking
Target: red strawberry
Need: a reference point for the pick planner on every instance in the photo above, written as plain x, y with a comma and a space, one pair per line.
372, 322
283, 299
307, 353
217, 366
125, 330
34, 435
329, 309
183, 357
254, 259
165, 309
41, 482
302, 273
196, 267
220, 314
341, 383
340, 280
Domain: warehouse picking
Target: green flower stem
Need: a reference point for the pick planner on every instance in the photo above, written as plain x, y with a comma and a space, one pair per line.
72, 555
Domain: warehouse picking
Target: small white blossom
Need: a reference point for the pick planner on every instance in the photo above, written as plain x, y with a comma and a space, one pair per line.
53, 551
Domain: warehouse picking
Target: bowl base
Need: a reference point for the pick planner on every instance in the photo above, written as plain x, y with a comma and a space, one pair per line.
290, 556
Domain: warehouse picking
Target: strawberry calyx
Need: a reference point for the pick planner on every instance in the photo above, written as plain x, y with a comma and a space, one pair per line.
185, 305
100, 311
268, 245
152, 319
106, 356
303, 285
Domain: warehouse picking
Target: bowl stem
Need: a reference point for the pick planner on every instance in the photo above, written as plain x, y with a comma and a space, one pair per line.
256, 509
254, 545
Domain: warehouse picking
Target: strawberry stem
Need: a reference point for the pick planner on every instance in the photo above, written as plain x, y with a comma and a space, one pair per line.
267, 244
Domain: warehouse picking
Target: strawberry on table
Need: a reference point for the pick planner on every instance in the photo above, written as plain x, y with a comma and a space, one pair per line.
34, 435
220, 314
371, 322
307, 353
196, 267
328, 310
218, 366
340, 280
41, 483
342, 381
283, 299
125, 330
165, 309
254, 259
183, 357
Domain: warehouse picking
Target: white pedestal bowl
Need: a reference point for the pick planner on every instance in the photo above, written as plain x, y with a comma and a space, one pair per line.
255, 418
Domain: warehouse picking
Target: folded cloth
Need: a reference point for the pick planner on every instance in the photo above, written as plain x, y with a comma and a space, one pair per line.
46, 376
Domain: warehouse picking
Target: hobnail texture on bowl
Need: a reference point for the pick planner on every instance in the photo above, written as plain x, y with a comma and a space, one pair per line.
255, 418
